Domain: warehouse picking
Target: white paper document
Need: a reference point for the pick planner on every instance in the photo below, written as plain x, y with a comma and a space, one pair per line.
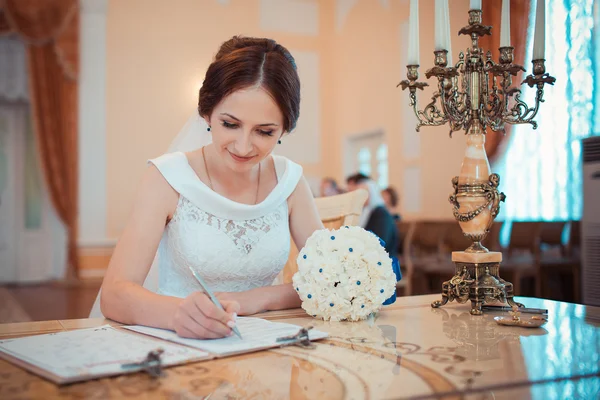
94, 351
257, 334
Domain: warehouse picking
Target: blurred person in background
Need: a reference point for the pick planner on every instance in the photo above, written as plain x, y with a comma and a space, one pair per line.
352, 181
376, 218
329, 187
391, 199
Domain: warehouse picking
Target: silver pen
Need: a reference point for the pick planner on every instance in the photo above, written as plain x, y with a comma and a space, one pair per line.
213, 298
524, 310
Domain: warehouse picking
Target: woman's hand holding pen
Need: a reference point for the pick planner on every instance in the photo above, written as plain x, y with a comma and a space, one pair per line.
197, 317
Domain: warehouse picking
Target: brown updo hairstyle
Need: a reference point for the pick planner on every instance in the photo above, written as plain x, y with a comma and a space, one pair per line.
244, 62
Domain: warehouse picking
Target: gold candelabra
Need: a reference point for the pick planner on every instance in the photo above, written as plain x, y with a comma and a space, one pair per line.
473, 95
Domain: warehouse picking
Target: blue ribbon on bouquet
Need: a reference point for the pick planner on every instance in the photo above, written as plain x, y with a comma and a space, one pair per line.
397, 272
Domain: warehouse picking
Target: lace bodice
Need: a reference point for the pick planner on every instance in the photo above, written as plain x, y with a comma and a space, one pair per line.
233, 246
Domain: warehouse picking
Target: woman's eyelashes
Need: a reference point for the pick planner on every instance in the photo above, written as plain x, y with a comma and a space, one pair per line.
229, 125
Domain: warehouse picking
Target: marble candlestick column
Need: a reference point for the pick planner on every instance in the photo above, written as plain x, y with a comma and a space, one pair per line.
476, 201
476, 198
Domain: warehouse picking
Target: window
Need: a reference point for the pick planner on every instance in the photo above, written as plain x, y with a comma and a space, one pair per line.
541, 169
364, 161
382, 166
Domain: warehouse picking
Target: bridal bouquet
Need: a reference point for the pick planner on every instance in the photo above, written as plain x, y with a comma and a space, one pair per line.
344, 274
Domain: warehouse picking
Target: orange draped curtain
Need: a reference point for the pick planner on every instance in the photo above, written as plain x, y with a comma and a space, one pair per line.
50, 28
519, 22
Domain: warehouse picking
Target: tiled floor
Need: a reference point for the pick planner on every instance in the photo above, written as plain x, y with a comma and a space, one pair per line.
22, 303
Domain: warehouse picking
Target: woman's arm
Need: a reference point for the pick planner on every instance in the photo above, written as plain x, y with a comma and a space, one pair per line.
304, 216
124, 299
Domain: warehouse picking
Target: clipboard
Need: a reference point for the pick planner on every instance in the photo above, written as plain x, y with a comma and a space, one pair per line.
94, 363
94, 353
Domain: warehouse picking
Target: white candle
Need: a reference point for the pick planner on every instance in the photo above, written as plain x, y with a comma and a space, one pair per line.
505, 24
475, 5
440, 31
447, 32
539, 39
413, 33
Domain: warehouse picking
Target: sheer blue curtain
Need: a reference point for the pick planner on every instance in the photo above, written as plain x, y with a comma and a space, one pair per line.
541, 169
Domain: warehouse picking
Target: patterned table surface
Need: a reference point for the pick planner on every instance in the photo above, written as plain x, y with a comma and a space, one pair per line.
408, 351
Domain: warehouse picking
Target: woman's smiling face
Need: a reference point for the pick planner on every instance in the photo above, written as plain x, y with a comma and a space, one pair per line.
245, 128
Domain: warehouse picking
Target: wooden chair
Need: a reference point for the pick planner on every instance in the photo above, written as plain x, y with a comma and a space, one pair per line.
335, 212
559, 259
492, 240
574, 243
522, 257
425, 254
551, 237
406, 231
454, 238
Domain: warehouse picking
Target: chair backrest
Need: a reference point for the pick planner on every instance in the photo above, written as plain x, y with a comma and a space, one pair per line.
552, 232
428, 237
453, 237
551, 235
574, 242
405, 229
407, 233
344, 209
335, 212
492, 240
525, 235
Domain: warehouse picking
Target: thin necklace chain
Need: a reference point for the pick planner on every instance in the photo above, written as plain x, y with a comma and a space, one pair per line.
210, 180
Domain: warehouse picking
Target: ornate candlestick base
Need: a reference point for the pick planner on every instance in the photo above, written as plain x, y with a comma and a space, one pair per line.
477, 278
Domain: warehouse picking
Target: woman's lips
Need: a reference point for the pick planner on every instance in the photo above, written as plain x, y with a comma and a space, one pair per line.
240, 159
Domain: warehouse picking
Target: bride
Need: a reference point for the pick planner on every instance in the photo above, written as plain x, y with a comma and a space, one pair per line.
225, 209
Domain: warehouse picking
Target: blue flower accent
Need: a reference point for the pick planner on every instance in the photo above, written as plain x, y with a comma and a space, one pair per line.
398, 273
333, 238
358, 283
304, 256
310, 296
363, 306
351, 249
381, 242
320, 269
378, 262
381, 291
396, 268
330, 304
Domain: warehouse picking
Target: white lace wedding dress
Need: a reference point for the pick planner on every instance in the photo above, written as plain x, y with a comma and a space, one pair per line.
233, 246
